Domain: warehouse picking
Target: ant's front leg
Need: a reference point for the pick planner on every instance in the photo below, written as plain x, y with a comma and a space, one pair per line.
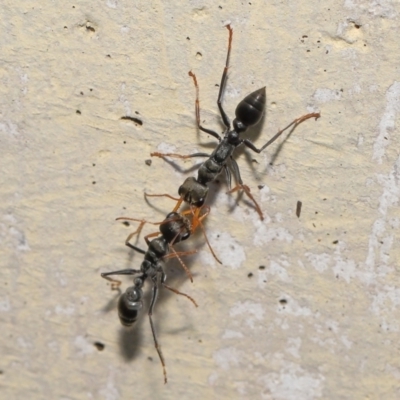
222, 85
197, 108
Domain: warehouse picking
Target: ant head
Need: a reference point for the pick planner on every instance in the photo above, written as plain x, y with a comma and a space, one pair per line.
193, 192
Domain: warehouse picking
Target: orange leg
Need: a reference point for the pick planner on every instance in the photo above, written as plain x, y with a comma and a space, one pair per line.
196, 221
246, 189
178, 292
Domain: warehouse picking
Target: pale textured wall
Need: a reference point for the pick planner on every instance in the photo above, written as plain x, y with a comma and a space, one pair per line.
66, 174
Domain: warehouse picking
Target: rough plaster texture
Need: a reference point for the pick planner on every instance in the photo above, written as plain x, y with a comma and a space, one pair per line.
302, 308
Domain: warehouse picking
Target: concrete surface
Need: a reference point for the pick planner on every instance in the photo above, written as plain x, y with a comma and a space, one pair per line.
302, 308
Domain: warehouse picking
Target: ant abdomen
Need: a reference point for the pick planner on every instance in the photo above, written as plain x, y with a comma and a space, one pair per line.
129, 305
250, 110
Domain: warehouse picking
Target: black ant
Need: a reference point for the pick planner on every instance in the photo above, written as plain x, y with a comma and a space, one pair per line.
248, 113
174, 229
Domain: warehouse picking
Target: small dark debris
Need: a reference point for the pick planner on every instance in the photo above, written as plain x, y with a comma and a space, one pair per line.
137, 112
93, 165
126, 223
108, 56
357, 26
250, 274
78, 112
298, 208
283, 301
150, 358
124, 141
91, 90
220, 7
94, 182
133, 119
99, 346
316, 212
81, 93
198, 54
335, 242
304, 36
260, 187
65, 27
308, 51
187, 38
148, 162
261, 267
200, 341
90, 28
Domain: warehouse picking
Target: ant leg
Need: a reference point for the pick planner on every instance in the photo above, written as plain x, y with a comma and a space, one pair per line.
178, 204
294, 123
244, 187
164, 278
178, 292
179, 253
138, 230
197, 108
196, 220
223, 81
182, 253
115, 283
153, 331
162, 155
161, 195
228, 176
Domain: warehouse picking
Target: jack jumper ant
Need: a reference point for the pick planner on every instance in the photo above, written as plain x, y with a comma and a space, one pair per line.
248, 113
174, 229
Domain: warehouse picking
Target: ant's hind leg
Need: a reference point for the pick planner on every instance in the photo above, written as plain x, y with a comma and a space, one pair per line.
176, 155
153, 330
292, 125
115, 283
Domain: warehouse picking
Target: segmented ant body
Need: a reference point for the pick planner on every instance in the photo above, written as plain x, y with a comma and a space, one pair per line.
248, 113
174, 229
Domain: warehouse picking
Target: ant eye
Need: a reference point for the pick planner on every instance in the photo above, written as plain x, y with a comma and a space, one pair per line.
185, 236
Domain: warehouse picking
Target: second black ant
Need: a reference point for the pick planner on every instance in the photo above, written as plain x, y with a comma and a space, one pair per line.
176, 228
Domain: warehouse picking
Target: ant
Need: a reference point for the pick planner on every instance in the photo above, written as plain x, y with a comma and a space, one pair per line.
174, 229
248, 113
